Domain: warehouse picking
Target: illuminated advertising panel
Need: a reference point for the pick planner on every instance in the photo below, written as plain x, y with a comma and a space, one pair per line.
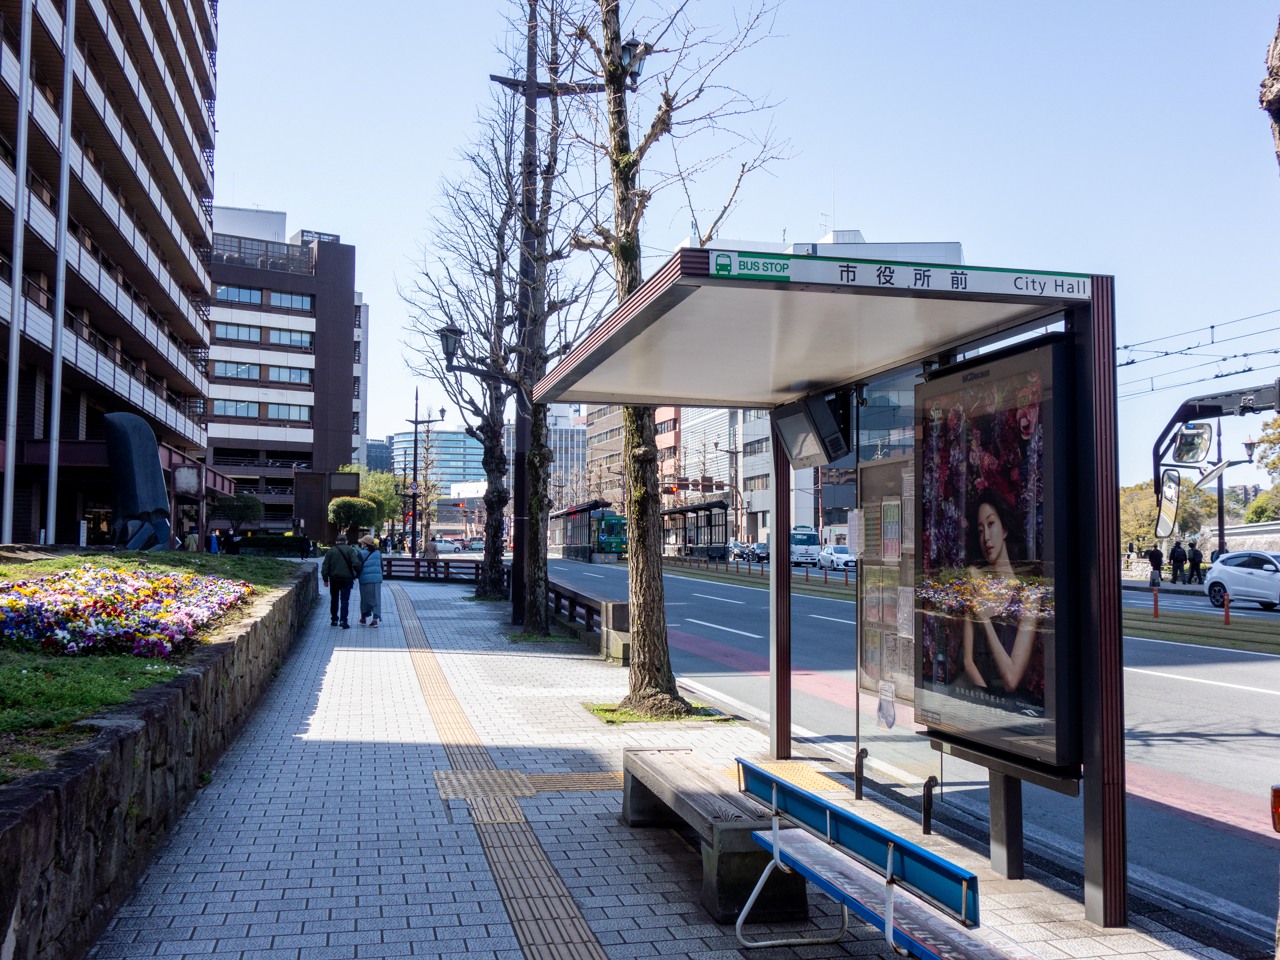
996, 661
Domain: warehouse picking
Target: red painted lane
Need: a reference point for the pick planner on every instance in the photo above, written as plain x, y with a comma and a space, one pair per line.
1184, 796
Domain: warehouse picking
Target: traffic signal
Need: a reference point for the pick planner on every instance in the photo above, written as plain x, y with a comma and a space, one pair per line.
670, 489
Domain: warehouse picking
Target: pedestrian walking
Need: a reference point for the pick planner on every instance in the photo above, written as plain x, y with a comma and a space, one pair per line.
304, 547
370, 581
1195, 572
339, 571
1178, 559
1156, 558
431, 553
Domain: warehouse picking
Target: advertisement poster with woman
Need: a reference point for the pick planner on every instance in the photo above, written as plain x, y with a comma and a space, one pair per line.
985, 601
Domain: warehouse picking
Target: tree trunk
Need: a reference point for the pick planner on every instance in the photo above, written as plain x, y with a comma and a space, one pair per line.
652, 684
1270, 95
537, 475
491, 584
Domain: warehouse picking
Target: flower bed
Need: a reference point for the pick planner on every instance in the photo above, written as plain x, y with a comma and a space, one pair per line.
99, 610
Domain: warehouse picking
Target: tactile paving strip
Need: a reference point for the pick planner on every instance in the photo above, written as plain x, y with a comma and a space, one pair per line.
544, 915
575, 782
799, 772
473, 784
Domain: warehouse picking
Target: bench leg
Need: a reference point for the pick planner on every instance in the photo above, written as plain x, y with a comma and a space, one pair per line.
728, 878
641, 807
795, 941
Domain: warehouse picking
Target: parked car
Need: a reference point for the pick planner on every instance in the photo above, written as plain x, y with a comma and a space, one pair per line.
738, 550
836, 556
445, 545
475, 543
759, 552
1245, 575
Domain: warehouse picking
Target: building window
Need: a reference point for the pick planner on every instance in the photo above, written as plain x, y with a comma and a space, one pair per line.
357, 353
229, 294
756, 483
755, 447
289, 375
359, 317
293, 338
288, 411
355, 388
236, 371
355, 423
291, 301
236, 331
235, 408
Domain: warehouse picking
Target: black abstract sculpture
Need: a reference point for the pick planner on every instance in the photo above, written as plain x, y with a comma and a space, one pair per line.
141, 520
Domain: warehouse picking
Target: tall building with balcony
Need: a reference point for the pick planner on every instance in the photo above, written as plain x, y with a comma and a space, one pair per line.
288, 368
134, 323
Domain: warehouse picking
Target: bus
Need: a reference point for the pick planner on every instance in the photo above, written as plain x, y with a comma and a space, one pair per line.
804, 546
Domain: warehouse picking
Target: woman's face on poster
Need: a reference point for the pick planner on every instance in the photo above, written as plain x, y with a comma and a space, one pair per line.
991, 533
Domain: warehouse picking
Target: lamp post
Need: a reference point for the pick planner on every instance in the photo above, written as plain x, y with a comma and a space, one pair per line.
633, 54
732, 453
413, 487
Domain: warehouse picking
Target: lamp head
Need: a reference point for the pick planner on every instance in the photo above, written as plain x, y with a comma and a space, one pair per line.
1249, 446
442, 413
450, 338
633, 54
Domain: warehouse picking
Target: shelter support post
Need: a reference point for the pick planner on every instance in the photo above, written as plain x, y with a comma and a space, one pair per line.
780, 599
1005, 793
1102, 665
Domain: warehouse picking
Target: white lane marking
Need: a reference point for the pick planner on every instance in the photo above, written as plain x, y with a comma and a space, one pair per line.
707, 596
716, 626
1212, 683
1202, 646
816, 616
598, 576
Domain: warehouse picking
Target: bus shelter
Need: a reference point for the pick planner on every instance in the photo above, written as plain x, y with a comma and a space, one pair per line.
698, 530
991, 391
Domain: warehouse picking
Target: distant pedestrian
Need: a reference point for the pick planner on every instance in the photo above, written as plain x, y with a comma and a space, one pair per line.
370, 581
1195, 558
1156, 558
339, 571
1178, 559
304, 547
213, 542
431, 553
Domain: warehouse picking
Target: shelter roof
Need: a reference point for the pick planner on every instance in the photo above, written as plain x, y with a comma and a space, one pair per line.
724, 328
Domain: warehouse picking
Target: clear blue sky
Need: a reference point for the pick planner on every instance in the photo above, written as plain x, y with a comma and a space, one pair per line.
1118, 138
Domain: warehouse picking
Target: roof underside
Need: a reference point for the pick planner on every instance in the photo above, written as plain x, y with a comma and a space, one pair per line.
692, 339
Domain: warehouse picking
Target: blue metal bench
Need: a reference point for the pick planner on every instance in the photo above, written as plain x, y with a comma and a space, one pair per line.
925, 905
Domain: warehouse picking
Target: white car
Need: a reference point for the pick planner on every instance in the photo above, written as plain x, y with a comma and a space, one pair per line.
836, 557
1245, 575
446, 546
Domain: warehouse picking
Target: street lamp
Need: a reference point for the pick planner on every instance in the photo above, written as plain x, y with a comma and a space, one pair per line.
1249, 446
732, 454
413, 487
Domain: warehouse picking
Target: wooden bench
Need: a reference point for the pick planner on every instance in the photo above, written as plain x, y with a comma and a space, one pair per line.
925, 905
667, 788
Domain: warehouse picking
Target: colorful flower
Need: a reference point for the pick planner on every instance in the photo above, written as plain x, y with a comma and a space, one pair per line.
99, 610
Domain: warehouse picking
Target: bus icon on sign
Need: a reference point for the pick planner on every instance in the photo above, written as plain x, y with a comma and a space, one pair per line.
724, 264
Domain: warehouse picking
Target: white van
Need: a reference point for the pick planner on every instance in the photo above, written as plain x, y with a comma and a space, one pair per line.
804, 546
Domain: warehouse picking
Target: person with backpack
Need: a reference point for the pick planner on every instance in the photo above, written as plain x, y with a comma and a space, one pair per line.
1195, 572
370, 581
1178, 557
339, 571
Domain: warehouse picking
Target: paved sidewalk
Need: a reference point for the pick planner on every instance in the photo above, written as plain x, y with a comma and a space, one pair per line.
430, 789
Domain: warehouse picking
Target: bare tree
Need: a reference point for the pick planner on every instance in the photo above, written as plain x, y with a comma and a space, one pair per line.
471, 281
1270, 95
689, 100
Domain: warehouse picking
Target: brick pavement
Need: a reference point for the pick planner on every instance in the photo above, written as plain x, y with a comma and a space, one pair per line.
431, 789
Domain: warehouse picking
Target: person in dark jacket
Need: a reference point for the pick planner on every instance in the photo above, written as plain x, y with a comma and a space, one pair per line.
1195, 573
1156, 558
1178, 559
339, 571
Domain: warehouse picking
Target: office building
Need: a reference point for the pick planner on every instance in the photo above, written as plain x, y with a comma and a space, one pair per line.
132, 311
377, 455
288, 365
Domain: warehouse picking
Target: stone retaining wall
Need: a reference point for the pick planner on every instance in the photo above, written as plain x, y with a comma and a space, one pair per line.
75, 839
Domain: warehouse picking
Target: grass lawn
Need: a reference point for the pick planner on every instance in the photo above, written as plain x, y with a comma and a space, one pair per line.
42, 694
